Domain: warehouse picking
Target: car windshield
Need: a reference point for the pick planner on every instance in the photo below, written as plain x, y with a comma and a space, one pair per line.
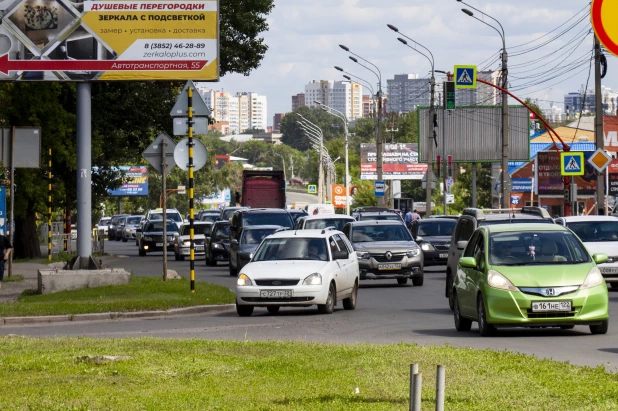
170, 216
338, 223
369, 233
209, 217
104, 221
595, 231
255, 236
197, 229
223, 233
380, 217
158, 226
516, 221
134, 220
275, 249
282, 219
228, 213
536, 248
435, 228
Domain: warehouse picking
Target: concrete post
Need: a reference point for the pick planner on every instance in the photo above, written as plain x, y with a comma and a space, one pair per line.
84, 167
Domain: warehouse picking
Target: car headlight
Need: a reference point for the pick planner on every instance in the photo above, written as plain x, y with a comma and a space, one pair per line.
413, 253
313, 279
250, 256
243, 280
128, 230
217, 245
497, 280
593, 279
147, 238
186, 243
427, 247
362, 255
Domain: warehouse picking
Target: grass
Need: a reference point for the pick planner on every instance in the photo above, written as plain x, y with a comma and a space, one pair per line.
15, 278
142, 293
165, 374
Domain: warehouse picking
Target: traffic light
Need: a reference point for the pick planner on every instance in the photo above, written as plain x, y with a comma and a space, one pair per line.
450, 165
438, 158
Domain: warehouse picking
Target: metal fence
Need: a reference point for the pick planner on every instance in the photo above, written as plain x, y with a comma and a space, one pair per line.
66, 242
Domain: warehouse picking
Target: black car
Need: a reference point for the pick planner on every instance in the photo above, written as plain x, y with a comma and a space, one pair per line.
113, 225
242, 250
209, 216
296, 214
433, 235
259, 216
218, 243
227, 212
378, 216
152, 237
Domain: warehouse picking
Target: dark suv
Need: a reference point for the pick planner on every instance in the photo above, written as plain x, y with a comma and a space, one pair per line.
113, 226
470, 219
259, 216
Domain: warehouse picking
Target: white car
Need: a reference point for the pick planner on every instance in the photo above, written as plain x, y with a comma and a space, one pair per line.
103, 224
182, 241
320, 221
600, 235
299, 268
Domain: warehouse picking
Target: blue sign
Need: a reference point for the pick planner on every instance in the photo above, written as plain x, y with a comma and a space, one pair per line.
2, 210
465, 76
515, 200
379, 187
135, 181
571, 164
312, 189
521, 185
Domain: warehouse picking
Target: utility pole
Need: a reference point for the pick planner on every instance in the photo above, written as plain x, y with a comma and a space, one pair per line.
598, 124
379, 143
430, 143
394, 183
505, 130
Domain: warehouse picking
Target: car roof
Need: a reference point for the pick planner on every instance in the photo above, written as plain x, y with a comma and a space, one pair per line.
437, 220
321, 233
260, 227
264, 210
328, 217
198, 222
509, 228
570, 219
223, 222
376, 222
210, 211
295, 210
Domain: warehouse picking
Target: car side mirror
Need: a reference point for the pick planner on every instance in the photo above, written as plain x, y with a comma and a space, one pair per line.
599, 258
467, 262
461, 245
341, 255
418, 239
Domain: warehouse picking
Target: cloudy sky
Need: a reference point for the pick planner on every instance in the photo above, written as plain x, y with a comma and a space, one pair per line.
304, 36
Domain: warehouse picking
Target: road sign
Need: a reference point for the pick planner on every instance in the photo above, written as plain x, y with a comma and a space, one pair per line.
449, 181
199, 107
181, 126
600, 160
450, 198
182, 190
120, 40
572, 163
181, 154
465, 76
515, 199
312, 189
153, 153
379, 187
449, 95
603, 15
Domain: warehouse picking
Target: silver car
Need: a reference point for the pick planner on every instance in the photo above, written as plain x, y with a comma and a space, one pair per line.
130, 225
386, 250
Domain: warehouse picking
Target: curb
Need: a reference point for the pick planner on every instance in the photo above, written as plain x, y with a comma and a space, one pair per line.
116, 315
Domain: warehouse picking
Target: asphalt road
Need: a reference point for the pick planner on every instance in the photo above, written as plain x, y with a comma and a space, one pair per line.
386, 313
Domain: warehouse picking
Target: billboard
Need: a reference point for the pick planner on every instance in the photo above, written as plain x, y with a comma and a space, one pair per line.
68, 40
339, 196
612, 177
135, 182
474, 133
549, 179
610, 133
400, 162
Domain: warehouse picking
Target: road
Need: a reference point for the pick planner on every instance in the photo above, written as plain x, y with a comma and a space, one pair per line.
386, 313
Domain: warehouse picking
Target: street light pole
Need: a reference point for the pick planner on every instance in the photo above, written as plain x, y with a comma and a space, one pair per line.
318, 131
505, 105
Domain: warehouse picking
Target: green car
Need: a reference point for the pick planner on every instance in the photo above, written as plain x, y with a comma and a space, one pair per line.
529, 275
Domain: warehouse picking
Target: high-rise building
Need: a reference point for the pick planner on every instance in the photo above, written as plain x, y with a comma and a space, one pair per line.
488, 95
298, 101
242, 111
277, 121
406, 92
370, 105
343, 96
585, 101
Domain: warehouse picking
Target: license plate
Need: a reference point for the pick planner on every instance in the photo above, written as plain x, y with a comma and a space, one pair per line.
276, 293
551, 306
609, 270
159, 244
443, 256
389, 266
199, 248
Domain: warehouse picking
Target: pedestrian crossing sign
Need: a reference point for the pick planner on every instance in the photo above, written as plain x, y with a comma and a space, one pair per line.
572, 164
465, 76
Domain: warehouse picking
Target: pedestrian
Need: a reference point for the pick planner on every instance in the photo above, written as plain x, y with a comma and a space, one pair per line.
415, 216
5, 250
407, 219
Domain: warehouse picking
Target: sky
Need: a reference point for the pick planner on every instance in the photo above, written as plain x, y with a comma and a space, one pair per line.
304, 38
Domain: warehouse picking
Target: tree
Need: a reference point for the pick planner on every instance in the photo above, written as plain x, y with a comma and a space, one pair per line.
293, 134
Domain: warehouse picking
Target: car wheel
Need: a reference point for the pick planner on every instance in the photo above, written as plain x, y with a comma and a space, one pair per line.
485, 329
418, 281
244, 310
329, 307
461, 323
350, 302
211, 263
233, 271
402, 281
142, 253
176, 257
124, 240
449, 291
614, 286
567, 327
273, 309
181, 257
600, 328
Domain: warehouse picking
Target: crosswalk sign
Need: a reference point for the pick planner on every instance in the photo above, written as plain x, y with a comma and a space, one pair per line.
312, 189
465, 76
572, 163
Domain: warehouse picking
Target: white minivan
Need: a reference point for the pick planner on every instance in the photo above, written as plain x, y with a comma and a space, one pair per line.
171, 214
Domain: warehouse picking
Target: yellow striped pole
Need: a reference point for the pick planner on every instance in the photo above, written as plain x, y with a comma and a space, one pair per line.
49, 207
190, 166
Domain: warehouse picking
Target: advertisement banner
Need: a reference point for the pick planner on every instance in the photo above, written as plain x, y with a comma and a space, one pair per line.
612, 176
135, 182
610, 133
66, 40
338, 194
521, 185
400, 162
550, 180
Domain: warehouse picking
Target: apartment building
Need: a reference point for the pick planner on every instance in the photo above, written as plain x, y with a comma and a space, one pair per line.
343, 96
242, 111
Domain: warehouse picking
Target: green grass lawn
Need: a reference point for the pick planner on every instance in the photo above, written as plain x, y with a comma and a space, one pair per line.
142, 293
165, 374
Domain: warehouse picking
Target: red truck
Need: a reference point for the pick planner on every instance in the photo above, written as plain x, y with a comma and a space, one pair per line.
263, 189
